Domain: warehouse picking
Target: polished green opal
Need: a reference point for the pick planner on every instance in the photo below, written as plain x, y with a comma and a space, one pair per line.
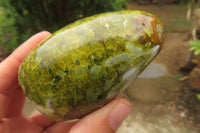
83, 66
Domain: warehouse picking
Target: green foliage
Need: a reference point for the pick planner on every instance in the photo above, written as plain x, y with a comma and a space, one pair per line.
8, 31
32, 16
195, 46
178, 76
54, 14
198, 96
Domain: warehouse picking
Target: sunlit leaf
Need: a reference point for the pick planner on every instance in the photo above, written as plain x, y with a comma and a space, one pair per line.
198, 96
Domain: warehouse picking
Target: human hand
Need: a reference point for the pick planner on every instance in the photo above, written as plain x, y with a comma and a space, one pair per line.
12, 120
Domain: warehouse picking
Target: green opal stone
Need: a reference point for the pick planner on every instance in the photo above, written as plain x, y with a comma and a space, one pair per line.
83, 66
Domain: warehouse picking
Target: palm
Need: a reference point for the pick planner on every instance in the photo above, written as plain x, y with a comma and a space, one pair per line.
14, 120
19, 124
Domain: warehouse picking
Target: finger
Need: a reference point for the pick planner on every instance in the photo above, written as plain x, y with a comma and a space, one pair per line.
9, 67
104, 120
60, 127
9, 70
41, 119
17, 103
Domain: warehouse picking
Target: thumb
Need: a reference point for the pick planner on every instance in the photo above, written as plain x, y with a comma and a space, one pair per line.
104, 120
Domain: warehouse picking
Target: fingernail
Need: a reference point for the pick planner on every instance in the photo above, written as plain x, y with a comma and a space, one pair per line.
118, 114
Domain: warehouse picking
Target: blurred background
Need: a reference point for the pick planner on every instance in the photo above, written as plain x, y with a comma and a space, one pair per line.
166, 96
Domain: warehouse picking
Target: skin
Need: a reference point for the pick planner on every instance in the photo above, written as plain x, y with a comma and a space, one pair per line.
12, 120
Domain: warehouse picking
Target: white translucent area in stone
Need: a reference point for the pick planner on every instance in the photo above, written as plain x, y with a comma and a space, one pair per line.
154, 70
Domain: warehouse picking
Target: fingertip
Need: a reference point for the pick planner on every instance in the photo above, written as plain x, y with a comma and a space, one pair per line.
124, 101
44, 34
23, 50
119, 114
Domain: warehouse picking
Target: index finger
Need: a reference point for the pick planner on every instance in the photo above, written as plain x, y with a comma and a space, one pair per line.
9, 68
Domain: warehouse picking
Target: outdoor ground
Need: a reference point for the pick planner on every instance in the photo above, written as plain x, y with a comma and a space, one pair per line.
161, 102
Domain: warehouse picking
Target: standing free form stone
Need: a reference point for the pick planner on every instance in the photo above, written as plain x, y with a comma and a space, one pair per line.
86, 64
